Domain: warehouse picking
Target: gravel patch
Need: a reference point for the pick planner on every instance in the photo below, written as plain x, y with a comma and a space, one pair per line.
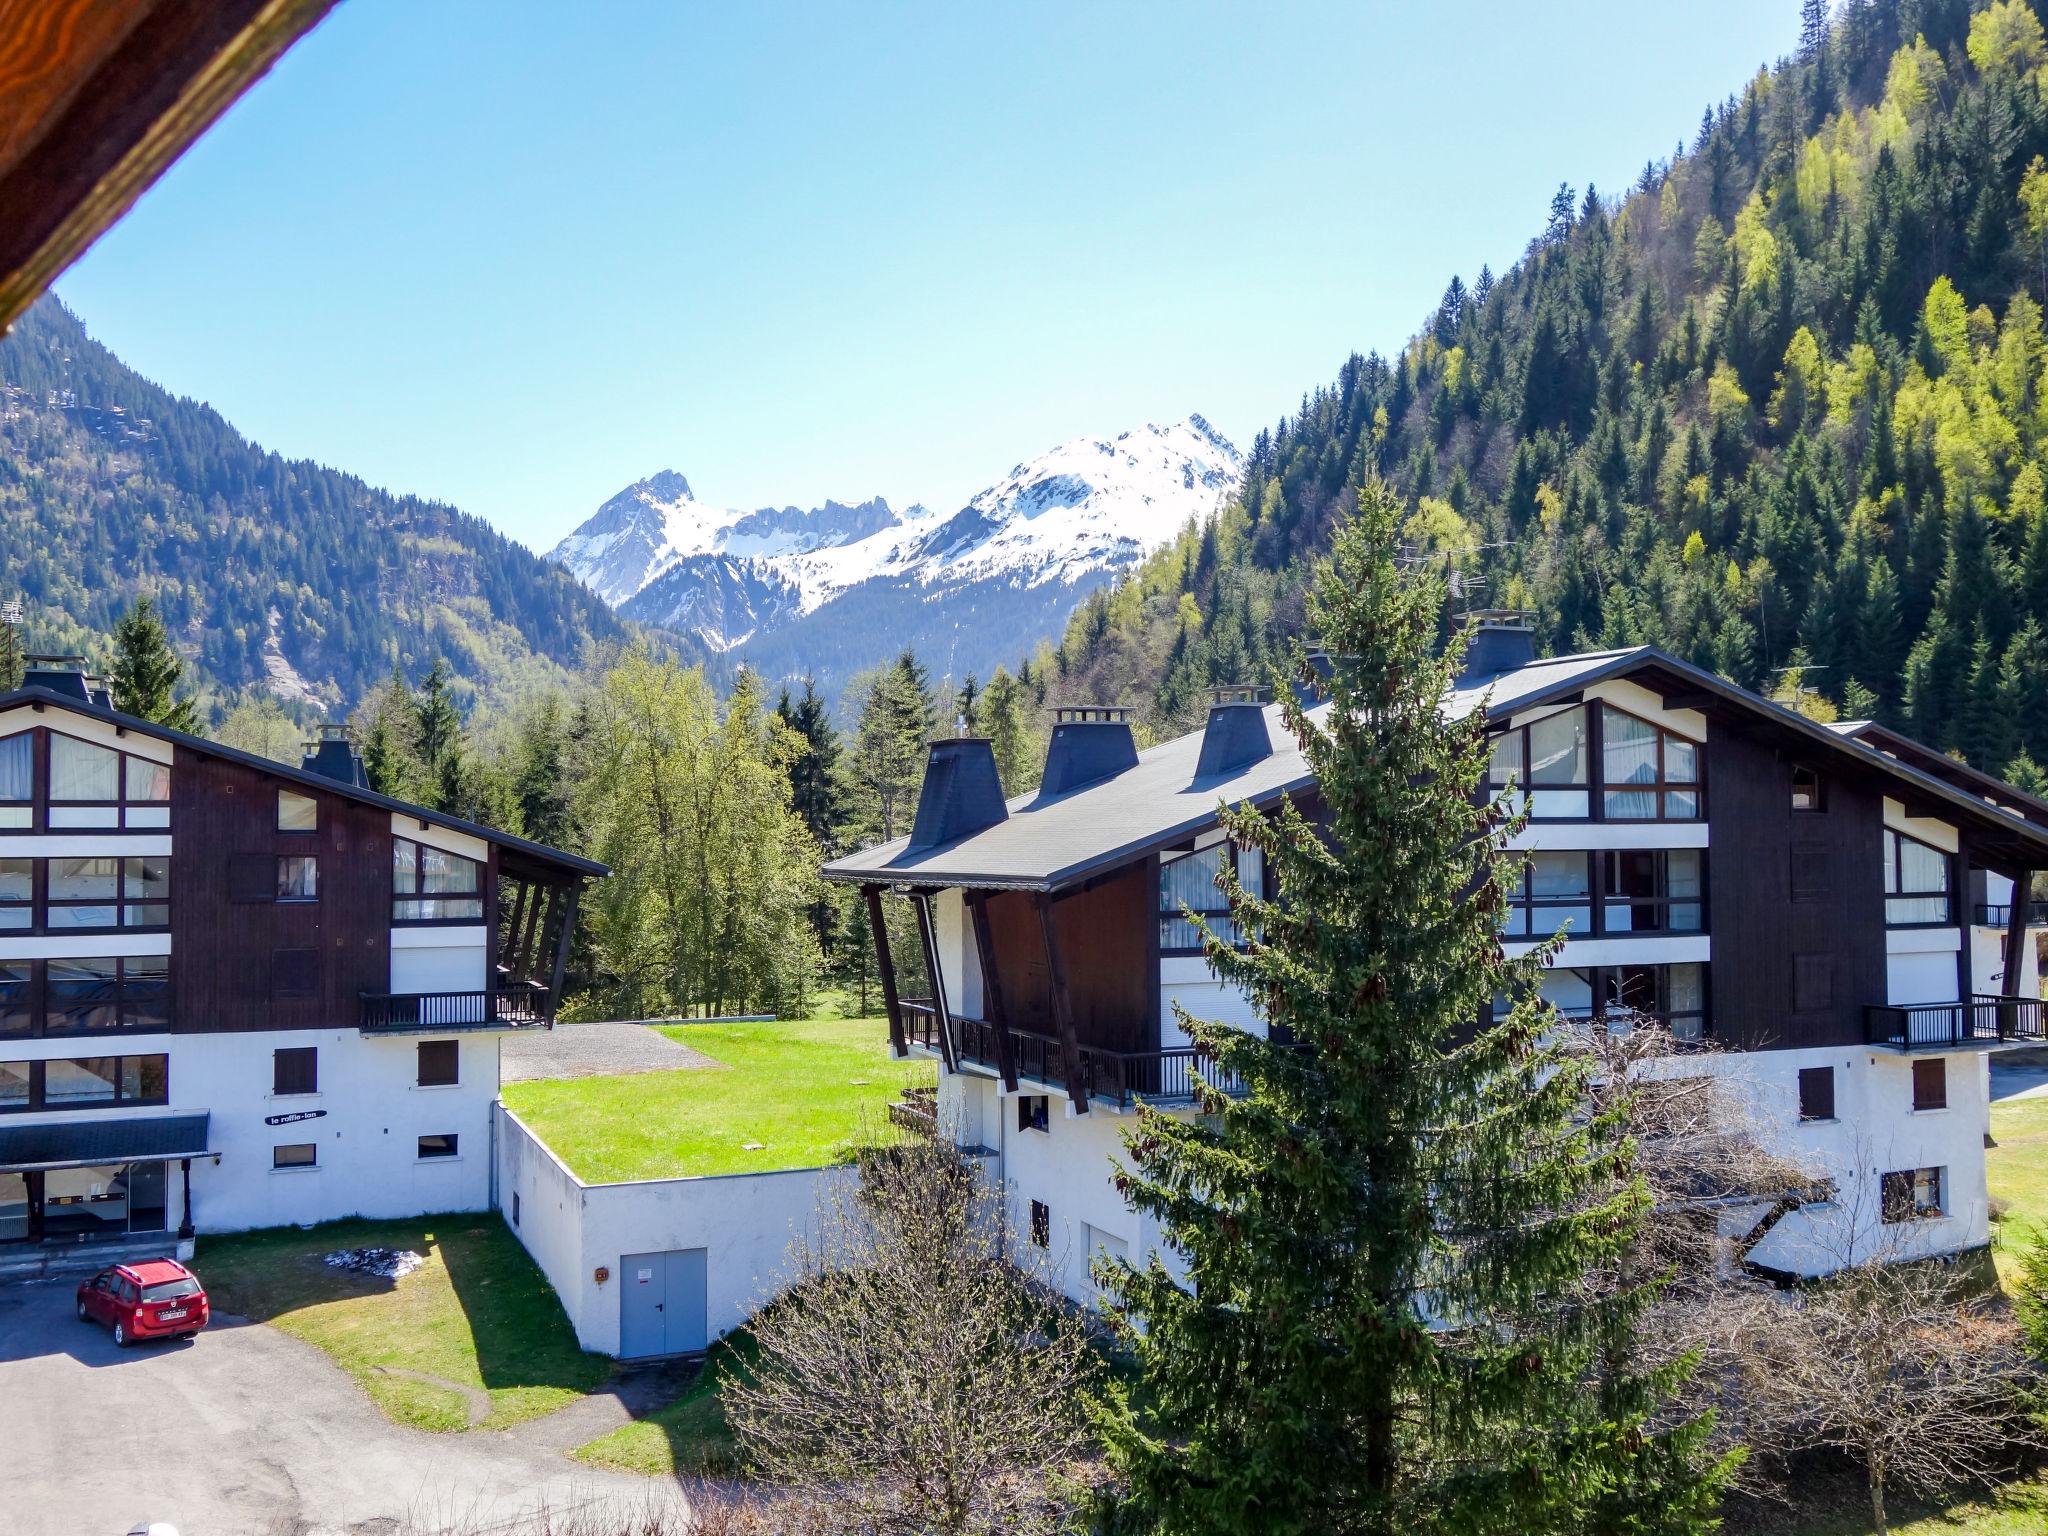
595, 1050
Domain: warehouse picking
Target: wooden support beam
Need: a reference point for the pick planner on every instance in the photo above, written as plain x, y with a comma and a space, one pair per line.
1959, 895
562, 949
942, 1018
507, 938
2016, 930
536, 931
1062, 1006
878, 930
992, 990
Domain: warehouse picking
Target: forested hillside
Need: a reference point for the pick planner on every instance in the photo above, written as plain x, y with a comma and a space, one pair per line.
1780, 404
265, 569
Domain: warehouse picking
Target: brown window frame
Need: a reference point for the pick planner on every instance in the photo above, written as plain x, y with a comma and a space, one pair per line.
1217, 917
280, 1163
1817, 799
1899, 1195
38, 1099
144, 1008
1595, 787
123, 805
417, 895
1930, 1085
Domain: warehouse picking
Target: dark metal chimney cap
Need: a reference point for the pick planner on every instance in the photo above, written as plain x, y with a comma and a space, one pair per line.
1501, 641
333, 756
59, 674
962, 794
1090, 743
1236, 735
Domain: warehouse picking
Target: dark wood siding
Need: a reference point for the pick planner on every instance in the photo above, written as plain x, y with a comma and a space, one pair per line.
1789, 887
1107, 935
225, 953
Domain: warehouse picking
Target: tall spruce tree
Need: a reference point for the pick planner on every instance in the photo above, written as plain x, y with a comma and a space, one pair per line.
13, 660
816, 793
146, 670
1398, 1242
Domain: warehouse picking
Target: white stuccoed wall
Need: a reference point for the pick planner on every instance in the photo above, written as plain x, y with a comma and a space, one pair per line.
745, 1222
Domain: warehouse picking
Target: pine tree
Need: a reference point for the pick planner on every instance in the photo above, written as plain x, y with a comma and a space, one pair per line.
13, 661
540, 777
1387, 1322
146, 671
440, 726
816, 793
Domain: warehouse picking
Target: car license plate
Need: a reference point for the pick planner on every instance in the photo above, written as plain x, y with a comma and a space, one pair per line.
170, 1314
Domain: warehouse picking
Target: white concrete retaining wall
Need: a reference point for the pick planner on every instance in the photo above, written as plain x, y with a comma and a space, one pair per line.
745, 1222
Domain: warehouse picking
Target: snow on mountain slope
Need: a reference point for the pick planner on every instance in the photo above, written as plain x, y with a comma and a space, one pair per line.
1087, 509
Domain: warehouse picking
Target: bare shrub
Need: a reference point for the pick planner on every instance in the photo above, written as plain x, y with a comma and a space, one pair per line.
915, 1380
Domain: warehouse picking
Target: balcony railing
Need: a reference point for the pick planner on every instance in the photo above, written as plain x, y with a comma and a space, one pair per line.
520, 1005
1983, 1020
1116, 1077
1997, 916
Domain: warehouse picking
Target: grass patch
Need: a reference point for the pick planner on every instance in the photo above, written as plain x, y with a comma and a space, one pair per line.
2016, 1169
799, 1089
478, 1314
688, 1438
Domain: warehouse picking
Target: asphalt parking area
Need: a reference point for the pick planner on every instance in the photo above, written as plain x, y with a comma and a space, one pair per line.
242, 1431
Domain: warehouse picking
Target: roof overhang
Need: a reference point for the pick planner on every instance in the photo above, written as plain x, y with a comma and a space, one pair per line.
534, 856
102, 97
76, 1143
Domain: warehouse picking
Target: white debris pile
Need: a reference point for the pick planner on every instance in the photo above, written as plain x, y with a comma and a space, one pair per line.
384, 1263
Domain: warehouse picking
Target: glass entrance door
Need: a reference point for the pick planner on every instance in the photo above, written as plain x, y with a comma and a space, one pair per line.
14, 1209
107, 1200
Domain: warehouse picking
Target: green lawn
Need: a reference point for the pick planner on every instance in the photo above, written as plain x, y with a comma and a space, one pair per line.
798, 1090
689, 1437
478, 1314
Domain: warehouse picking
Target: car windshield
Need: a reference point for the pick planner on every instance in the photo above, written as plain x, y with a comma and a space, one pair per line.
170, 1290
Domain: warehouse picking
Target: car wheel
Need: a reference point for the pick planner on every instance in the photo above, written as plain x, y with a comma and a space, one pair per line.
83, 1315
120, 1335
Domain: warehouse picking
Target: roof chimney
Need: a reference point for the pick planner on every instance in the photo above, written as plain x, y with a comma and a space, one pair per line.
1090, 743
332, 755
59, 674
962, 793
1235, 736
1501, 642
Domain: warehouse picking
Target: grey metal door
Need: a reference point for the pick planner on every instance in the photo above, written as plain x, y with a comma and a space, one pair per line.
688, 1326
662, 1304
643, 1298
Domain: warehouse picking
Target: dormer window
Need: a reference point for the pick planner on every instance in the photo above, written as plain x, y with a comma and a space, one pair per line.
1548, 759
96, 786
1646, 773
1916, 883
1808, 793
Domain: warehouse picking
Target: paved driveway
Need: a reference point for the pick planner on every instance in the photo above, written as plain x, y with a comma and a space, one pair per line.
242, 1432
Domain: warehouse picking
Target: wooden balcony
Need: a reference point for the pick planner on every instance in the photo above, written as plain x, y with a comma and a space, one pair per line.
1982, 1023
516, 1005
1115, 1078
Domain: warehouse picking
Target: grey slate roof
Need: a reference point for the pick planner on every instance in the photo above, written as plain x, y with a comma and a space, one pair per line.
1049, 842
80, 1143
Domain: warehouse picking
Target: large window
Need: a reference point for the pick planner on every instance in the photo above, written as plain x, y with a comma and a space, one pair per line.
1916, 883
1188, 880
1913, 1194
1675, 995
84, 1082
84, 996
1548, 758
96, 786
1646, 773
107, 893
297, 813
1648, 891
17, 895
430, 885
17, 780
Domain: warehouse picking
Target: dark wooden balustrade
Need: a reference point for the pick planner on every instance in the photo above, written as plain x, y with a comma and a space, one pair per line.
517, 1005
1983, 1020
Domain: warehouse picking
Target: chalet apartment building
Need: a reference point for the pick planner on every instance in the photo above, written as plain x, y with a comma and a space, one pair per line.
238, 994
1832, 907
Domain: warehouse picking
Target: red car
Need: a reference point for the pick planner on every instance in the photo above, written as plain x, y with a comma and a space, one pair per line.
149, 1299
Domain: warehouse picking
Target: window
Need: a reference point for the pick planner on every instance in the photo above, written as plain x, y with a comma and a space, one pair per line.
1646, 773
1652, 891
17, 894
439, 1064
1674, 994
1189, 880
294, 972
17, 998
1912, 1194
1550, 891
84, 1082
96, 786
297, 1154
1041, 1224
89, 995
298, 877
1548, 759
438, 1146
295, 1069
1813, 983
17, 780
1816, 1093
1808, 793
297, 813
515, 1207
107, 894
1033, 1112
1915, 883
430, 885
1930, 1085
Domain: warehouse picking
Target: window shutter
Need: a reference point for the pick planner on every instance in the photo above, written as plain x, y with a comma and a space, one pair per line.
252, 877
295, 1069
1817, 1093
1930, 1085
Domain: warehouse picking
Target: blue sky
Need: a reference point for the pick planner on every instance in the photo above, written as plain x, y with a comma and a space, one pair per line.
517, 256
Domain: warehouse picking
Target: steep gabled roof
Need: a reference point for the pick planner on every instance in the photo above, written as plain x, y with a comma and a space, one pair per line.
1052, 841
50, 698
